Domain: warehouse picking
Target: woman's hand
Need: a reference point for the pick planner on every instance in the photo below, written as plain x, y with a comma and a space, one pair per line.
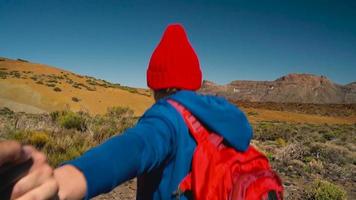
39, 182
71, 181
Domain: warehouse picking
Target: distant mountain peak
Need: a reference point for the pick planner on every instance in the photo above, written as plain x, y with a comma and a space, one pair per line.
292, 88
208, 83
294, 77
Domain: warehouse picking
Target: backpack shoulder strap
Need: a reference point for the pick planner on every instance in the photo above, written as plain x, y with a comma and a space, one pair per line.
198, 131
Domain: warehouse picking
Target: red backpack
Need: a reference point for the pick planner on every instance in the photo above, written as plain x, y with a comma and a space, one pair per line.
219, 172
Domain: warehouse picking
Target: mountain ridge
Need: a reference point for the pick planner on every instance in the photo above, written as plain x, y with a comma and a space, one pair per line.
291, 88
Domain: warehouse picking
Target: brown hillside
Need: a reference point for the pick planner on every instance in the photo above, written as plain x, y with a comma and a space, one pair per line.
36, 88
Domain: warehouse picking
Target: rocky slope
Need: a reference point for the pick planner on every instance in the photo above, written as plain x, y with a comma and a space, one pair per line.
292, 88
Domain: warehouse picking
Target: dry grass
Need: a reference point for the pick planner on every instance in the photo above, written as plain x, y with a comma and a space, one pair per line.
300, 153
284, 116
64, 135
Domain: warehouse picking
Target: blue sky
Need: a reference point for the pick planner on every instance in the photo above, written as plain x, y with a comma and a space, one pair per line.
235, 40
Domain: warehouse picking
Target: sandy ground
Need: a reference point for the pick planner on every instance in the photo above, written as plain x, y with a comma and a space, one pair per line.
19, 107
126, 191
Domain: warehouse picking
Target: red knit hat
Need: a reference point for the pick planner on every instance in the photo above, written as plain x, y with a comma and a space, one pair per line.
174, 63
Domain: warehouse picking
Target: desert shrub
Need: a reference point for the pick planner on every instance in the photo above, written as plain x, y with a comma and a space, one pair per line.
293, 151
66, 143
75, 99
22, 60
315, 166
331, 153
52, 81
76, 85
50, 84
274, 130
115, 121
324, 190
67, 146
39, 82
15, 74
54, 115
270, 156
129, 89
71, 120
57, 89
91, 82
252, 113
6, 111
81, 85
69, 81
2, 59
329, 135
38, 139
19, 135
90, 88
58, 147
281, 142
35, 138
3, 75
119, 112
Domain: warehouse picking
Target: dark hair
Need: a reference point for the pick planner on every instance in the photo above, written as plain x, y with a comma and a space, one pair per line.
159, 94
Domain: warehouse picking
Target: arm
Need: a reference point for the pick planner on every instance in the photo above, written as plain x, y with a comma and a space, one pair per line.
139, 150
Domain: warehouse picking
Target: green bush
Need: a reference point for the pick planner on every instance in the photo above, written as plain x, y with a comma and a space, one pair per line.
38, 139
281, 142
324, 190
330, 135
71, 120
54, 115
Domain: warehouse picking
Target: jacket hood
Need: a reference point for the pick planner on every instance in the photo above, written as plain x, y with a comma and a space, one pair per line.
219, 116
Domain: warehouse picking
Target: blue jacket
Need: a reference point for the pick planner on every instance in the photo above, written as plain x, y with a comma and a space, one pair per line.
158, 149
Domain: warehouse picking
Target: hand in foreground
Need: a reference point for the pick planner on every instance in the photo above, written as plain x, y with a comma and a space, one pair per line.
38, 183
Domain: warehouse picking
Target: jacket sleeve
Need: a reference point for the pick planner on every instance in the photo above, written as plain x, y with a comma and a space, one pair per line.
123, 157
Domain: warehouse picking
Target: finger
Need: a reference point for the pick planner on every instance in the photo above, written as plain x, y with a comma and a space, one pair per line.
38, 157
31, 181
46, 191
10, 151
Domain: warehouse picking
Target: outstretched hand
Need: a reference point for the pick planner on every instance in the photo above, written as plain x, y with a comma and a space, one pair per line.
34, 181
